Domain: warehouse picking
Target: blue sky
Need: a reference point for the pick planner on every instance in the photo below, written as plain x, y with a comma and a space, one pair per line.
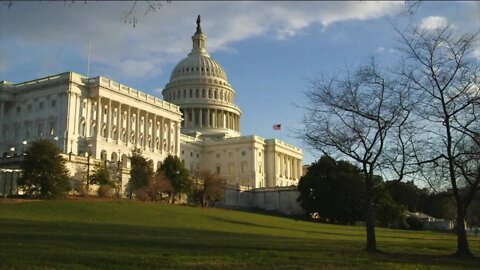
270, 50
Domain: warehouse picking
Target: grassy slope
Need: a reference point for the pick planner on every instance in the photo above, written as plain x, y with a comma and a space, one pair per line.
133, 235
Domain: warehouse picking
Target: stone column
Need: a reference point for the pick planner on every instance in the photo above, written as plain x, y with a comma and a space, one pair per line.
177, 139
200, 117
129, 126
162, 130
137, 128
207, 122
169, 126
88, 118
99, 117
109, 120
119, 122
2, 110
154, 134
145, 132
299, 170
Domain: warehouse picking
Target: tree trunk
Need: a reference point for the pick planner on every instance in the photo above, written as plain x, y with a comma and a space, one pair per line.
462, 243
370, 227
370, 215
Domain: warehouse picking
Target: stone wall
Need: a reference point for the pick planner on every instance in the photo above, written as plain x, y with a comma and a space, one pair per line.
277, 199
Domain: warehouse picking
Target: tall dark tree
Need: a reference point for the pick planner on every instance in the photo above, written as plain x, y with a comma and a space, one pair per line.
441, 66
362, 116
44, 172
141, 172
334, 190
173, 169
407, 194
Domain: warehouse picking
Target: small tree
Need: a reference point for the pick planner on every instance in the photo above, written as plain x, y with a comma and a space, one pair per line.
101, 175
210, 189
103, 178
178, 176
158, 185
141, 172
44, 171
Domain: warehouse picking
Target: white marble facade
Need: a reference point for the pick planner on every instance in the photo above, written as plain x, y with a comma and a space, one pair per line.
83, 114
198, 121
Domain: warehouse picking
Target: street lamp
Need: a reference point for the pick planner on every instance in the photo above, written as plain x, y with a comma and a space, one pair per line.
88, 166
12, 149
119, 173
24, 146
71, 149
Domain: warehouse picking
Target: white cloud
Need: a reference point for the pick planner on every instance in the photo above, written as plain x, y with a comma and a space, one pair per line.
476, 53
433, 22
380, 49
44, 28
158, 90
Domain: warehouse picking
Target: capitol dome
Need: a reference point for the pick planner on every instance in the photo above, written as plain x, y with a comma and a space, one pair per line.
199, 85
198, 64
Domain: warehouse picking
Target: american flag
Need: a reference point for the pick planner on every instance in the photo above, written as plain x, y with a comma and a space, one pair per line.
277, 127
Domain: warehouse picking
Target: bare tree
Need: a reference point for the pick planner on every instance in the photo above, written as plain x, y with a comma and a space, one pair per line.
210, 188
129, 16
444, 72
364, 117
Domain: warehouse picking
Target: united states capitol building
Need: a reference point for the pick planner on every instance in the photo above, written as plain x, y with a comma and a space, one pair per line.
101, 120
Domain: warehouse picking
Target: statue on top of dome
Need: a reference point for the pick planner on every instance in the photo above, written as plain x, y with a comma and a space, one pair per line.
199, 28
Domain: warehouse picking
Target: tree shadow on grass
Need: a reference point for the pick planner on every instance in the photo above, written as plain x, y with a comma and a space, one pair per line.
428, 259
76, 245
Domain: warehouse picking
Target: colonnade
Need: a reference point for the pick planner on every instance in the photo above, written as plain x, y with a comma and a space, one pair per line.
288, 167
210, 118
127, 125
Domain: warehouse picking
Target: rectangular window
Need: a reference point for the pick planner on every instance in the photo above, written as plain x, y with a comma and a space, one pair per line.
40, 106
40, 130
218, 170
52, 128
17, 132
28, 131
5, 132
19, 109
53, 103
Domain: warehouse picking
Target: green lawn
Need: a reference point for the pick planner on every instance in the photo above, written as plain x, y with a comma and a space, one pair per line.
81, 234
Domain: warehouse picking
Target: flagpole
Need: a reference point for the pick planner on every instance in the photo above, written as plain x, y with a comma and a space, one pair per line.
88, 60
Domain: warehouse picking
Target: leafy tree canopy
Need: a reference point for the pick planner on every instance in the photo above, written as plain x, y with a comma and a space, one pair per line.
141, 172
334, 190
177, 174
44, 172
101, 175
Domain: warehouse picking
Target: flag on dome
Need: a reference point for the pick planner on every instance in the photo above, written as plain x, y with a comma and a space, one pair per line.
277, 127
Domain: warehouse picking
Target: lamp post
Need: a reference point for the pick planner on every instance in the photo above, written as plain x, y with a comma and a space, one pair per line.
24, 147
119, 174
71, 149
88, 166
12, 149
